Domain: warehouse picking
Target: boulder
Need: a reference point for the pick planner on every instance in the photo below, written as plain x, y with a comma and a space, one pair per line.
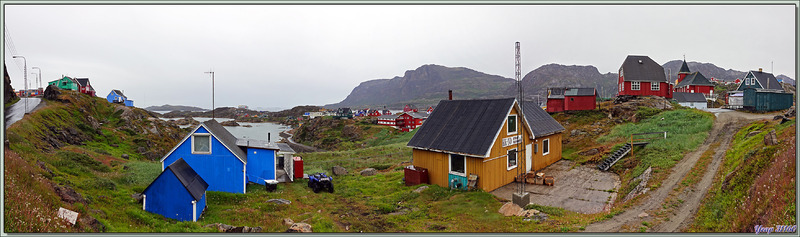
771, 138
509, 209
753, 133
124, 156
68, 194
93, 122
539, 217
590, 152
420, 189
643, 215
44, 167
338, 170
288, 222
528, 213
300, 228
51, 92
137, 197
91, 223
280, 201
369, 172
220, 227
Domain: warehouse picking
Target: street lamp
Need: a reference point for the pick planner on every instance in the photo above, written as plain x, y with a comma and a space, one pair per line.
212, 93
25, 75
40, 75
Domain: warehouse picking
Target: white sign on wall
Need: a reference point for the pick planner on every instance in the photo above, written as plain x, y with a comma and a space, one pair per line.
509, 141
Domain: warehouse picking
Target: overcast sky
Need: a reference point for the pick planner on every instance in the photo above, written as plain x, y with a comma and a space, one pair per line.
282, 56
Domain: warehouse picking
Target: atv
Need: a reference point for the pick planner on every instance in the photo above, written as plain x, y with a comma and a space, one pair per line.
320, 181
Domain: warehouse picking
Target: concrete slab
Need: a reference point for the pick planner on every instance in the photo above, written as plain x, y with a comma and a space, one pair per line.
582, 189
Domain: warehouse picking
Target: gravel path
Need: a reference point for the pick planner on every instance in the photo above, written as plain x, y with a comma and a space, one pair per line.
725, 126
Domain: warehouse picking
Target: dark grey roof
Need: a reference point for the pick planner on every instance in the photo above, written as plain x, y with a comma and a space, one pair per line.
417, 114
688, 97
763, 77
190, 180
555, 93
684, 68
463, 126
120, 93
225, 137
82, 81
579, 92
389, 116
285, 147
696, 79
642, 68
247, 142
541, 123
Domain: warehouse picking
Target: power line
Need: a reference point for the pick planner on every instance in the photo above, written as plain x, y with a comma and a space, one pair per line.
10, 44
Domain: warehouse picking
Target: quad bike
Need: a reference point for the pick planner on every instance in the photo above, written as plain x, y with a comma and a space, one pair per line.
320, 181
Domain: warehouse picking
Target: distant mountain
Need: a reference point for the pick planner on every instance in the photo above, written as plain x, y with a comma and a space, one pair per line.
426, 86
168, 107
537, 81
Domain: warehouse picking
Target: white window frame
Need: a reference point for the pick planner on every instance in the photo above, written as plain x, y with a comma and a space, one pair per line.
508, 158
544, 153
655, 86
209, 143
450, 165
516, 125
635, 86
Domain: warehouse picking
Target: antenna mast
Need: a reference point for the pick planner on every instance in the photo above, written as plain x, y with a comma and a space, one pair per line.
518, 77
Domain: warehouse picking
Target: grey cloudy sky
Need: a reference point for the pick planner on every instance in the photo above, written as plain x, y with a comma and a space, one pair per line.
283, 56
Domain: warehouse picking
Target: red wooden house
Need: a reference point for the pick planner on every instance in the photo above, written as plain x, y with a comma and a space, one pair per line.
410, 120
640, 75
430, 110
410, 108
374, 113
84, 86
388, 120
571, 99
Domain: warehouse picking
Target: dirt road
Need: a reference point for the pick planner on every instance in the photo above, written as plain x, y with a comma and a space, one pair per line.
725, 126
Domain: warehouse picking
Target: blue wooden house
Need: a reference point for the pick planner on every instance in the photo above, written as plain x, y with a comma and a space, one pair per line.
116, 96
178, 193
225, 162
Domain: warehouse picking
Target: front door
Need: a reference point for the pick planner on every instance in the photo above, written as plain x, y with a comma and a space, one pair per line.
528, 161
457, 176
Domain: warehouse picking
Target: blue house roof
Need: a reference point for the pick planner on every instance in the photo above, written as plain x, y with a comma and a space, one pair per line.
193, 183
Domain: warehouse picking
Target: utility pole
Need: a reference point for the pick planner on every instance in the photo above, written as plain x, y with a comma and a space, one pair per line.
25, 75
212, 93
40, 75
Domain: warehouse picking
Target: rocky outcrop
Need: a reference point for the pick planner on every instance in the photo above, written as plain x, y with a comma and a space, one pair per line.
627, 108
641, 188
9, 94
300, 228
338, 170
186, 121
68, 194
229, 123
369, 172
51, 93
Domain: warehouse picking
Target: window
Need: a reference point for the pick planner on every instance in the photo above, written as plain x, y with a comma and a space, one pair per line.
512, 158
201, 144
512, 124
458, 165
546, 147
635, 85
654, 86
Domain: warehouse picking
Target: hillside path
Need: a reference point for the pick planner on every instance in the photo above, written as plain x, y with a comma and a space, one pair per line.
18, 110
725, 126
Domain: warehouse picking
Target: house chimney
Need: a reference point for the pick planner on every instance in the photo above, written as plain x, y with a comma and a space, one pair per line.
450, 92
760, 70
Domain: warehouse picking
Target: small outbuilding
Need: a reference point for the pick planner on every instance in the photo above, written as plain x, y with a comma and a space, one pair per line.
177, 193
692, 100
571, 99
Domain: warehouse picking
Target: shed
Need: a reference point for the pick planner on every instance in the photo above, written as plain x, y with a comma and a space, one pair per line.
766, 100
178, 193
571, 99
693, 100
262, 159
484, 137
735, 99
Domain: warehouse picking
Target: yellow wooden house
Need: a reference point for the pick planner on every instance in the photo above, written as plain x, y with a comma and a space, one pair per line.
488, 138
